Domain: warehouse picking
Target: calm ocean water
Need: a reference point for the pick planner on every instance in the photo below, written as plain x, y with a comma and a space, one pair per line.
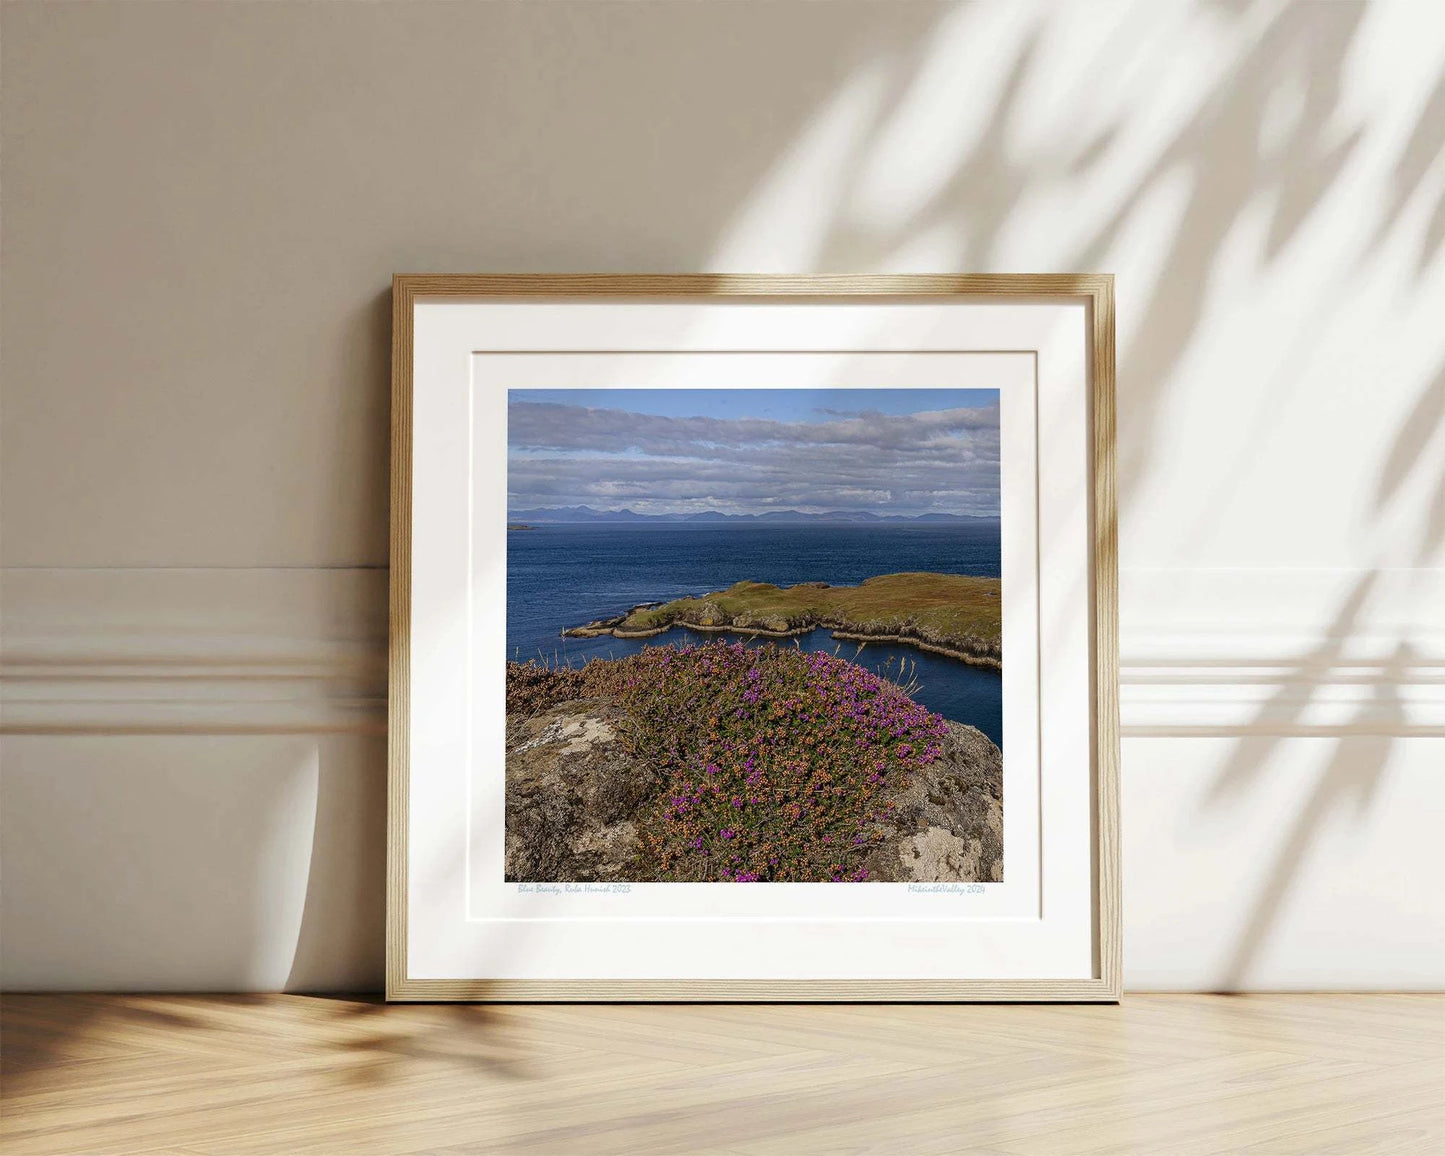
559, 576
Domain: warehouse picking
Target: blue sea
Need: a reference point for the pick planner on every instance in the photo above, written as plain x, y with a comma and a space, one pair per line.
560, 576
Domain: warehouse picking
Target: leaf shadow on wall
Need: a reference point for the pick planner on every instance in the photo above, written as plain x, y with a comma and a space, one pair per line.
1267, 133
1234, 151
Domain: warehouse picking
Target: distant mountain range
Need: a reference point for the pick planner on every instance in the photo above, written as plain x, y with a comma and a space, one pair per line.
586, 514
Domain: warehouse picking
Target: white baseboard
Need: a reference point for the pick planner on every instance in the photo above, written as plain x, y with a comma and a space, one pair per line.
194, 796
1203, 652
176, 651
1281, 651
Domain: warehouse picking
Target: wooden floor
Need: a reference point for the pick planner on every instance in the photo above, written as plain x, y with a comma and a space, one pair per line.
294, 1074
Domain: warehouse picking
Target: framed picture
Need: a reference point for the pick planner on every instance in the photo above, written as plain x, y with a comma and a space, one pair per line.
753, 638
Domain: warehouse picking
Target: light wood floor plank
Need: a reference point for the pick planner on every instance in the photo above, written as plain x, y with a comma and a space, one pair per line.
1073, 1115
1184, 1075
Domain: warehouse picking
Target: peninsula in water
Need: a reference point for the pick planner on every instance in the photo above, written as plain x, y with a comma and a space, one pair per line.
950, 614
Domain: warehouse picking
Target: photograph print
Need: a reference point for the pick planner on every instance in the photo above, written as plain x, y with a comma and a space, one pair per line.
753, 635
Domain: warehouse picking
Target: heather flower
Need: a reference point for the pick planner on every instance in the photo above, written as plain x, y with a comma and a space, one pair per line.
792, 748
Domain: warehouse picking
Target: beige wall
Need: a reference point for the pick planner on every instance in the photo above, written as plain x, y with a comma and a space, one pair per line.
202, 208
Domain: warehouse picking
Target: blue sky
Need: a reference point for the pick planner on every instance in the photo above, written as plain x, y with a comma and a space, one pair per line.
776, 404
749, 451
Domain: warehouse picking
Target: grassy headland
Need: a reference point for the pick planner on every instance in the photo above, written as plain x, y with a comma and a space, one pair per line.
950, 614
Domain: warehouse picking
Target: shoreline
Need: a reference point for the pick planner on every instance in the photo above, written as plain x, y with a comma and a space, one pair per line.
920, 644
841, 633
955, 616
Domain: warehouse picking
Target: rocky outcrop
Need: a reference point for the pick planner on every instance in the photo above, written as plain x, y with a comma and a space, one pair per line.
575, 792
614, 626
947, 824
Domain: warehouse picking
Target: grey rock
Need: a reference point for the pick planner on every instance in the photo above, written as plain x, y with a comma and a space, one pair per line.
573, 789
947, 824
708, 613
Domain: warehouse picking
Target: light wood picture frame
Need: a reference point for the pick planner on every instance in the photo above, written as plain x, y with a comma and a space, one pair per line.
442, 324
